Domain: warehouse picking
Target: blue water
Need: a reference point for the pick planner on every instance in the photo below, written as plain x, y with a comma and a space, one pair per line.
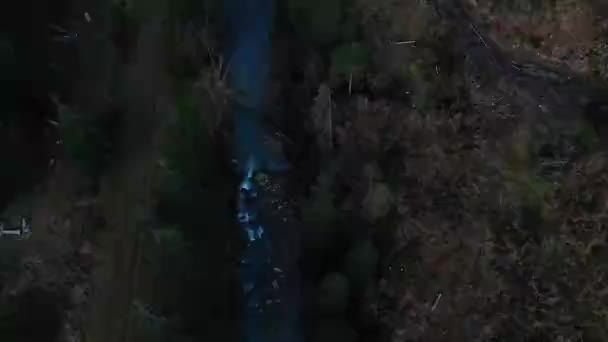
270, 312
249, 26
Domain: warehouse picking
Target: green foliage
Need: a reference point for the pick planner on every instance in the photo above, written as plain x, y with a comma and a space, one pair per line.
125, 28
33, 315
7, 59
361, 264
349, 28
191, 36
527, 6
28, 76
586, 137
9, 71
195, 190
88, 140
599, 59
170, 247
419, 76
188, 156
178, 11
532, 191
10, 260
194, 207
170, 252
201, 11
147, 325
349, 60
334, 329
317, 20
333, 293
531, 187
319, 209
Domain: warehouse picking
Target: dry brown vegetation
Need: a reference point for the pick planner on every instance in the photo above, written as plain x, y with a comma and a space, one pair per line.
490, 195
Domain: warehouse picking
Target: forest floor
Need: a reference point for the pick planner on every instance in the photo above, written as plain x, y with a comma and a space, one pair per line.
447, 160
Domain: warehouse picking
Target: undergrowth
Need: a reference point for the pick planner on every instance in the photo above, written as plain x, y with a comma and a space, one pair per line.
195, 202
89, 140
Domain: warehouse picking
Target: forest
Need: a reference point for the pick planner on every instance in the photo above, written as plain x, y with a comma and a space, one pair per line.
426, 170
